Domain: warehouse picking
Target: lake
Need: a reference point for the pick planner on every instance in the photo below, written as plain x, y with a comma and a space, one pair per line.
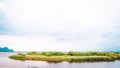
5, 62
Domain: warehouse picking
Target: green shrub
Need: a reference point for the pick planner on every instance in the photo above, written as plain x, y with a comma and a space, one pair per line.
17, 57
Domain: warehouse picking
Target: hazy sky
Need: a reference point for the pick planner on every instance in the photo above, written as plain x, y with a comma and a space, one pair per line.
63, 25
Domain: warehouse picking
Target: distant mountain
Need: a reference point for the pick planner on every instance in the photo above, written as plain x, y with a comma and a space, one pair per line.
6, 49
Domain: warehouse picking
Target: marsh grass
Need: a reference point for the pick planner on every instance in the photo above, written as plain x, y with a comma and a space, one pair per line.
18, 57
52, 57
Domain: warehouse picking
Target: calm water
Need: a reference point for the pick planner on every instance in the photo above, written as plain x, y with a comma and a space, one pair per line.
5, 62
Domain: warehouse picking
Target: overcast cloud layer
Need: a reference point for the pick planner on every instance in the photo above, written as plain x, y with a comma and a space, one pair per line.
65, 25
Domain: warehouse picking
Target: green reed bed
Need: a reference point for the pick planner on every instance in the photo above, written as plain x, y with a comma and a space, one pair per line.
68, 56
18, 57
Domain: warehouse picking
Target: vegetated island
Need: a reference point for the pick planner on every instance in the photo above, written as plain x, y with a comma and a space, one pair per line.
53, 56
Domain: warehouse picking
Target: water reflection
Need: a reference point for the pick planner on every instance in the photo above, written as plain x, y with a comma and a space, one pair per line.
32, 67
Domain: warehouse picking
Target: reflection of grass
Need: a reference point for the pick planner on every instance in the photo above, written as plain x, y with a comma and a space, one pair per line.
69, 57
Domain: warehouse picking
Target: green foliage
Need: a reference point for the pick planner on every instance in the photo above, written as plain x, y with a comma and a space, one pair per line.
52, 53
33, 53
71, 53
21, 54
18, 57
54, 56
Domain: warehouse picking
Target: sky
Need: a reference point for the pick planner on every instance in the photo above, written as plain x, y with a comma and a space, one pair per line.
60, 25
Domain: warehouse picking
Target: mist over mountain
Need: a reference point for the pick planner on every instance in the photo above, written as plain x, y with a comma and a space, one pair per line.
6, 49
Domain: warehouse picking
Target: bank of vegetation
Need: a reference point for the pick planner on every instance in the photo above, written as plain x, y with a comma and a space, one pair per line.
53, 56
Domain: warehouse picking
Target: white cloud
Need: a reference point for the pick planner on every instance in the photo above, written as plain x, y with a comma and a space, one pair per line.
78, 23
59, 16
35, 43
